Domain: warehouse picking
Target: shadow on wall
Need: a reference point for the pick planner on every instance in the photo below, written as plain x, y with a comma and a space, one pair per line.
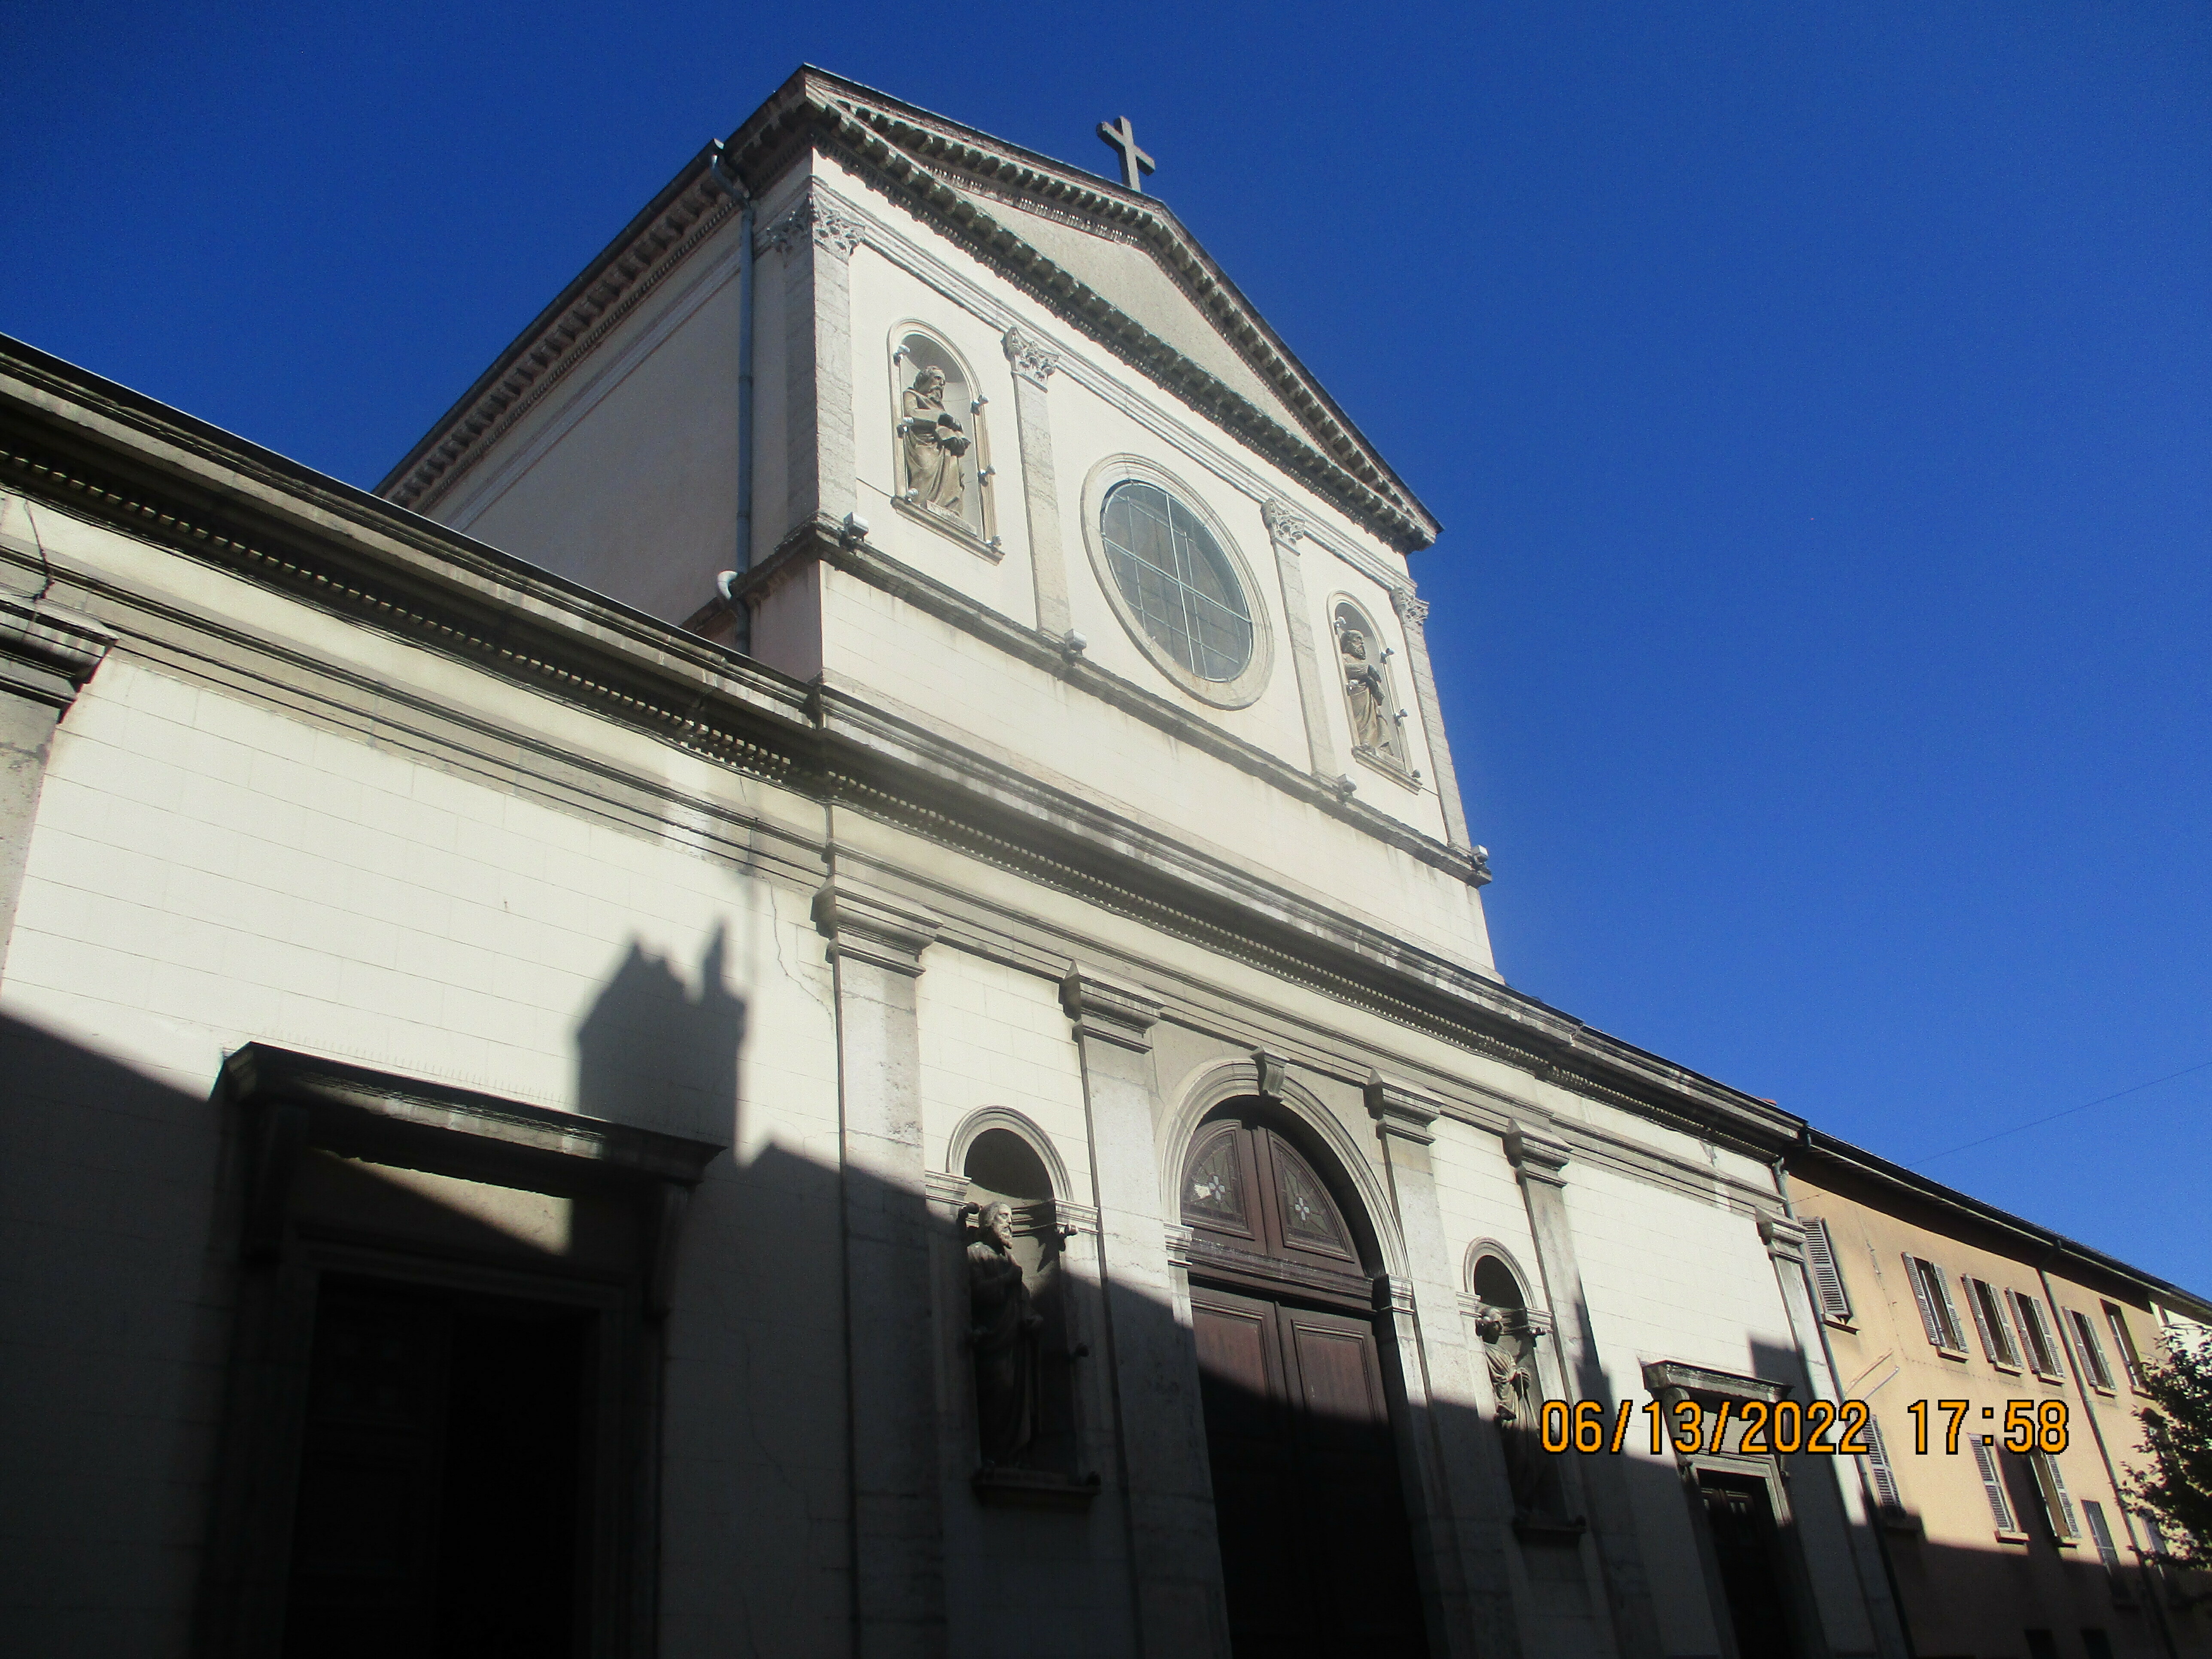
657, 1053
120, 1208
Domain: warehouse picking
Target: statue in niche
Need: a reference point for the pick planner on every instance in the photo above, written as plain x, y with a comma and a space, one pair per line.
1367, 693
933, 443
1003, 1334
1509, 1347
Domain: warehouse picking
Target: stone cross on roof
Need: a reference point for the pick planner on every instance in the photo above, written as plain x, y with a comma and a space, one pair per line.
1122, 138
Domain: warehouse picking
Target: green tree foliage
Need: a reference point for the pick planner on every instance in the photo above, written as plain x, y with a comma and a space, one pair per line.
2177, 1439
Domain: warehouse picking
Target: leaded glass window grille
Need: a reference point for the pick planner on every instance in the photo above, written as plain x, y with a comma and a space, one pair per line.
1174, 576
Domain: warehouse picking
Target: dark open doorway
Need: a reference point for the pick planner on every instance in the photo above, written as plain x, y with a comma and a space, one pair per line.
442, 1498
1316, 1556
1746, 1550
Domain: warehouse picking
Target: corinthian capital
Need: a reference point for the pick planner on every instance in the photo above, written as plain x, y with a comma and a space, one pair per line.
1030, 359
1411, 608
1286, 526
813, 215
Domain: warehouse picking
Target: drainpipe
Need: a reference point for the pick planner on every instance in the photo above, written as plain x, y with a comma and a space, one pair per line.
2153, 1589
729, 180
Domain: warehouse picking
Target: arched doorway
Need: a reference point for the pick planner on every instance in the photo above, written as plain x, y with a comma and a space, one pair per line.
1315, 1552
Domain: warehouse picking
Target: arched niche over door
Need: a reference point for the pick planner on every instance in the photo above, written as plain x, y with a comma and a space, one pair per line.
1315, 1553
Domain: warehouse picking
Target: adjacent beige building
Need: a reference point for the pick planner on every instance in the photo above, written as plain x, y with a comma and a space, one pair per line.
1999, 1363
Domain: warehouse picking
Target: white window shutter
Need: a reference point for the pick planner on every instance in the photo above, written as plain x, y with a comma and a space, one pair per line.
2057, 1505
1981, 1321
1827, 1278
1919, 1281
1885, 1477
1954, 1333
1993, 1486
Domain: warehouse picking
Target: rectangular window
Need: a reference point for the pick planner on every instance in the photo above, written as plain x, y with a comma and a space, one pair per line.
1933, 1296
2101, 1535
1989, 1319
1827, 1278
2035, 1336
1993, 1486
2090, 1352
2126, 1342
1878, 1466
2058, 1507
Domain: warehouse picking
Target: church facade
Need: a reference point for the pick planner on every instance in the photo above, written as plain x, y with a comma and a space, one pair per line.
821, 987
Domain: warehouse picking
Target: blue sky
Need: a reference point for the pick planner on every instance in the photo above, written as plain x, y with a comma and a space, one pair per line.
1818, 404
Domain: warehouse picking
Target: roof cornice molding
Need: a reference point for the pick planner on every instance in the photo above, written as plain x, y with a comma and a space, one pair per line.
652, 246
1817, 1151
936, 166
117, 457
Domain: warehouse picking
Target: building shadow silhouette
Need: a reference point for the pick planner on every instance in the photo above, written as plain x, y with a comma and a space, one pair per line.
125, 1284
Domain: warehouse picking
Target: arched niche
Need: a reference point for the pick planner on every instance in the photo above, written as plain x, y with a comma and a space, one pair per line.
1013, 1126
929, 480
1369, 687
1009, 1161
1495, 1278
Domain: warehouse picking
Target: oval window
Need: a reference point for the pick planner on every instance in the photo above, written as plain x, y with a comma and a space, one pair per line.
1174, 576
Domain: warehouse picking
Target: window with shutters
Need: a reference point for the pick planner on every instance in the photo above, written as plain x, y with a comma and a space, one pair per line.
2090, 1351
1827, 1278
1993, 1487
1934, 1295
2101, 1535
1995, 1330
2036, 1337
1885, 1476
2124, 1341
2058, 1507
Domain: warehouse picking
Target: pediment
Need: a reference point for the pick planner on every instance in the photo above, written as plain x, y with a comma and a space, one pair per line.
1117, 265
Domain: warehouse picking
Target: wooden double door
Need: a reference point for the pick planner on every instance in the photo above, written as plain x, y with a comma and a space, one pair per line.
1316, 1555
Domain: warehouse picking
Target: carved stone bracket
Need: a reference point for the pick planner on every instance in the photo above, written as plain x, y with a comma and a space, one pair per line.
1537, 1156
47, 654
1030, 359
1411, 608
1109, 1012
1271, 1070
816, 215
1397, 1111
1784, 1238
872, 929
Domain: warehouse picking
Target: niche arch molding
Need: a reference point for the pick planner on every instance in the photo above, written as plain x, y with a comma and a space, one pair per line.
1219, 1083
1531, 1289
972, 1127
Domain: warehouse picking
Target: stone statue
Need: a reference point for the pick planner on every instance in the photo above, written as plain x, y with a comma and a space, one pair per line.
1366, 692
1513, 1383
934, 442
1002, 1331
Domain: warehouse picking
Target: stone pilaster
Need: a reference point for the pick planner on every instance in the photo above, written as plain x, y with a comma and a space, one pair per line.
897, 1519
1452, 1463
1835, 1500
816, 238
1413, 614
47, 654
1285, 529
1167, 1487
1542, 1165
1033, 368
